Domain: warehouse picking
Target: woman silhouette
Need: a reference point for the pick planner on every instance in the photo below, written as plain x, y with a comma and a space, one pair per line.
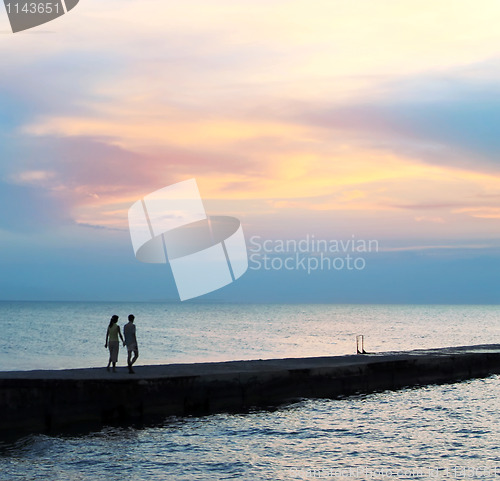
112, 340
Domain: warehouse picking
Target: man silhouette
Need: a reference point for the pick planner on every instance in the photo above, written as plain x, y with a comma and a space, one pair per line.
130, 342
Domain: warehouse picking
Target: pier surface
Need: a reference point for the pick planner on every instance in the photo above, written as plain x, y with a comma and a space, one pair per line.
59, 400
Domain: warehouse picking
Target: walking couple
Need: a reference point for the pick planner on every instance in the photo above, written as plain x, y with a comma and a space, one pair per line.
130, 341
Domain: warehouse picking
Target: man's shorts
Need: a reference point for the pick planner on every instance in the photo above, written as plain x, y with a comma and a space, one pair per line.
132, 347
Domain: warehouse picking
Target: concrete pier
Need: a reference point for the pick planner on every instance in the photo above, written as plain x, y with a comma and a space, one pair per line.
57, 401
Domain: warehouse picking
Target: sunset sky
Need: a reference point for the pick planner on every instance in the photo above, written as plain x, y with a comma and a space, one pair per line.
374, 119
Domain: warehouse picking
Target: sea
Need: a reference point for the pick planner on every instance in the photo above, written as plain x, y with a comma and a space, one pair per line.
440, 432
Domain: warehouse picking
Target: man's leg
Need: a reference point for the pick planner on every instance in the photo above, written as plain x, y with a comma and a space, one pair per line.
130, 362
136, 355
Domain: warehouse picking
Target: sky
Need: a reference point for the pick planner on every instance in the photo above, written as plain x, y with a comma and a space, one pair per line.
328, 119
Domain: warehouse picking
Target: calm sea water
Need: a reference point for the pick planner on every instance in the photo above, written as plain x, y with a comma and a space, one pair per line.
71, 335
437, 432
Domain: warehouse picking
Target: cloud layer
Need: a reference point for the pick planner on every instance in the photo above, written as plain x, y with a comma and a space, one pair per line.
370, 116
